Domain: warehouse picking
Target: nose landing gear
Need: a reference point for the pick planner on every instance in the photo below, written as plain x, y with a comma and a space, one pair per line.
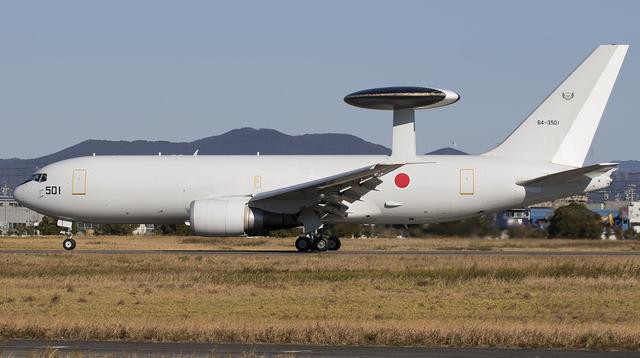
69, 243
317, 242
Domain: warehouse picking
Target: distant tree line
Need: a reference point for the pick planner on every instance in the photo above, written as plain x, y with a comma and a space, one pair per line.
572, 221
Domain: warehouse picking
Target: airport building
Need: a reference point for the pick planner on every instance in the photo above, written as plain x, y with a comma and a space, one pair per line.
12, 214
621, 214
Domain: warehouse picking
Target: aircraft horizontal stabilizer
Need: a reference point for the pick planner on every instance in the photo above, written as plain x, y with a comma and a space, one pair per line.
579, 174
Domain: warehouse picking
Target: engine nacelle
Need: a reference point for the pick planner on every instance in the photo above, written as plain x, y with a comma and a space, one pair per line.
234, 217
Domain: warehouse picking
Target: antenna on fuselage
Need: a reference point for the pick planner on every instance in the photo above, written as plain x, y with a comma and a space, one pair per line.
403, 101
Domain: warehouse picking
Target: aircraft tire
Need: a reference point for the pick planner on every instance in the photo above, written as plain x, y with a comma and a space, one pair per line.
321, 244
69, 244
303, 244
334, 243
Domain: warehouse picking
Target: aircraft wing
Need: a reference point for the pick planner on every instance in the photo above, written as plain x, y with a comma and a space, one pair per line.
325, 196
578, 174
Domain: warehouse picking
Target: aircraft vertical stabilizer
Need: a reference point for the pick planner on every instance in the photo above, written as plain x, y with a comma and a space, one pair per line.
561, 128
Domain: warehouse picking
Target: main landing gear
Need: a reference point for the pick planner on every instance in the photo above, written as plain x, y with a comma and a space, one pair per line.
317, 242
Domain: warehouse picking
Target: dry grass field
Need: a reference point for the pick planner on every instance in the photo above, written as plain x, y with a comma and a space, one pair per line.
366, 299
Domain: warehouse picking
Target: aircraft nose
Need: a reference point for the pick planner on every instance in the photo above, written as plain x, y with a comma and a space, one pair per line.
19, 194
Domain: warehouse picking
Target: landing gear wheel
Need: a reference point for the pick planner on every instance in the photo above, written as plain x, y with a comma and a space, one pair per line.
334, 243
69, 244
320, 244
303, 244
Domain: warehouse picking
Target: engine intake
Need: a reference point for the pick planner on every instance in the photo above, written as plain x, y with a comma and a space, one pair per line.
234, 217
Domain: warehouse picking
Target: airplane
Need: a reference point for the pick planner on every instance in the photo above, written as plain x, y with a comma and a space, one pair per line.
236, 195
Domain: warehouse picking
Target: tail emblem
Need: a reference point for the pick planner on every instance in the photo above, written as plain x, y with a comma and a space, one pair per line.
567, 95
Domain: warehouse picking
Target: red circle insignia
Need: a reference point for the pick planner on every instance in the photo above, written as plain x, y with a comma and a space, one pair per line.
402, 180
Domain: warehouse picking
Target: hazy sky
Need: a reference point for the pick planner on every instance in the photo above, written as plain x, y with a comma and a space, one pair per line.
183, 70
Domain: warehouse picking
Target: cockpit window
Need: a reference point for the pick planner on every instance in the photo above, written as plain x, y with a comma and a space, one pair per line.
38, 177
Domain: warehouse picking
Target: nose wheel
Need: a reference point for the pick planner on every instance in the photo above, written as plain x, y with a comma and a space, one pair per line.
317, 242
69, 244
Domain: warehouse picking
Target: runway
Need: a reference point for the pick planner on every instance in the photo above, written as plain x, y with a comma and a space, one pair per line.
21, 348
340, 253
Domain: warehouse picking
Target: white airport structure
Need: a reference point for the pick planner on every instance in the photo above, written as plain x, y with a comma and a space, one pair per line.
249, 195
13, 214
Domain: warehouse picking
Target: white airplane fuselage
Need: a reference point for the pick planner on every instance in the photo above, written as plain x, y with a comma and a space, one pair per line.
160, 189
542, 159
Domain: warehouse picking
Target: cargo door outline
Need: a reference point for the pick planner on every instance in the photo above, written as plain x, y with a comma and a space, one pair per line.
79, 182
467, 182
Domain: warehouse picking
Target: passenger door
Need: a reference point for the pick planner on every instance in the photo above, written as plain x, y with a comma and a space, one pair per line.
467, 182
79, 182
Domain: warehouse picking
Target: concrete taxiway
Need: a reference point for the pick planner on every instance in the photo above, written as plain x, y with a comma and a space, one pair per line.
19, 348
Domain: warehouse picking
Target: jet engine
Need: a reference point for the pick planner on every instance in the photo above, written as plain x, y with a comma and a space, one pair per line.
234, 217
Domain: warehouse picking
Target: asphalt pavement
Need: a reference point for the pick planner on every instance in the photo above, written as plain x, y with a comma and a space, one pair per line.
22, 348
